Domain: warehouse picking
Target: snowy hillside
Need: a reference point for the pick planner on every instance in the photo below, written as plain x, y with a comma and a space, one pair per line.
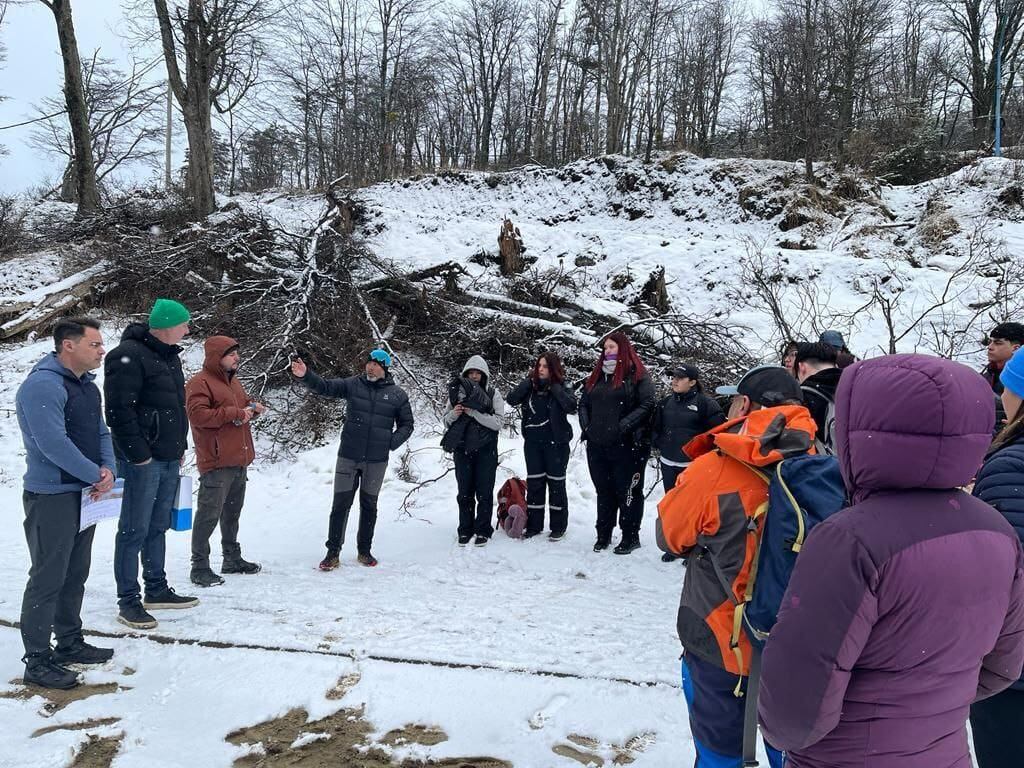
525, 653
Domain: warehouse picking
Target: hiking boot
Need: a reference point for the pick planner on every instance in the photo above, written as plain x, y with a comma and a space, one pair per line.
556, 536
602, 543
168, 599
481, 541
80, 652
668, 557
330, 562
365, 558
530, 534
627, 545
205, 577
135, 616
42, 670
237, 565
464, 540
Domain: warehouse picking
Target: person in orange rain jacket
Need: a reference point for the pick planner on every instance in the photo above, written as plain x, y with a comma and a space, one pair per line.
705, 519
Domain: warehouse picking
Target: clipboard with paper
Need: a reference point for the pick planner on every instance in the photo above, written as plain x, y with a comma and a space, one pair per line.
103, 507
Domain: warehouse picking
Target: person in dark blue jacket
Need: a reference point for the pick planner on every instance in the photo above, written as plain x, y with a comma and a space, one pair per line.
378, 420
997, 723
545, 403
67, 449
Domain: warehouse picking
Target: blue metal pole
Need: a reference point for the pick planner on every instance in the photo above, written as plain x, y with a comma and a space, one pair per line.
998, 148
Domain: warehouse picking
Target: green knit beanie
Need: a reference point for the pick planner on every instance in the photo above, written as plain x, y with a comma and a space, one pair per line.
167, 313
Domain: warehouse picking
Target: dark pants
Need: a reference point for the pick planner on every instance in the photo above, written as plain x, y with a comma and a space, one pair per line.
669, 475
60, 565
617, 472
716, 715
546, 463
221, 495
349, 477
474, 475
997, 724
149, 494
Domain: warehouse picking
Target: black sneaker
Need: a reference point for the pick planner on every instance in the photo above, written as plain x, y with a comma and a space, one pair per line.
238, 565
602, 543
42, 670
481, 541
530, 534
556, 536
464, 540
668, 557
135, 616
168, 599
80, 652
205, 577
627, 545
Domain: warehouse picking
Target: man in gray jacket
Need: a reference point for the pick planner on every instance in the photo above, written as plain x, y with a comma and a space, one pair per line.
67, 449
476, 415
378, 420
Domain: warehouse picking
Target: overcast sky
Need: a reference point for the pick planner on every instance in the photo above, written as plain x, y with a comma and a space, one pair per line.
33, 72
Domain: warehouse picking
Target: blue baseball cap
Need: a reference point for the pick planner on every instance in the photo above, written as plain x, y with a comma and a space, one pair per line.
833, 339
380, 356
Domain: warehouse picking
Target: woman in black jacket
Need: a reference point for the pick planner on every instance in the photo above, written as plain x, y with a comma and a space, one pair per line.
546, 433
678, 418
615, 415
997, 722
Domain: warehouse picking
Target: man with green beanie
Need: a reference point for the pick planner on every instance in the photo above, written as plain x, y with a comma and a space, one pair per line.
144, 390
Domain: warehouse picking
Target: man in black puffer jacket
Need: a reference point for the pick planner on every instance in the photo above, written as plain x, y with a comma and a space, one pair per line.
378, 420
679, 418
144, 390
816, 368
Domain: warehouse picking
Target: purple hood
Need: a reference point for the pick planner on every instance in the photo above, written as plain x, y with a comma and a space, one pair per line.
911, 422
908, 605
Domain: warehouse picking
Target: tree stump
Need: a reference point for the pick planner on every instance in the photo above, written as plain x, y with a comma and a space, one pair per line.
510, 246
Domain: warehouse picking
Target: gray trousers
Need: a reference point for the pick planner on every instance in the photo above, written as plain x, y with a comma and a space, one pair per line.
61, 556
350, 476
221, 496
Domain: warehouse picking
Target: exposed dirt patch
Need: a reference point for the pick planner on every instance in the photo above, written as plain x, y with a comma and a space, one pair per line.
57, 700
346, 744
586, 749
426, 735
85, 725
584, 758
345, 684
98, 752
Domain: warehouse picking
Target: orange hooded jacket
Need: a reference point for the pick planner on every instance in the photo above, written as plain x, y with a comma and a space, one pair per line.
707, 517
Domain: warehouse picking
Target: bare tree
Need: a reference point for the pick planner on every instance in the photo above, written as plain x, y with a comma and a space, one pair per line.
3, 54
87, 190
123, 115
218, 44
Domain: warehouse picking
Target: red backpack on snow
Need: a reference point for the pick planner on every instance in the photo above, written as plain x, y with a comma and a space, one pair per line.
512, 507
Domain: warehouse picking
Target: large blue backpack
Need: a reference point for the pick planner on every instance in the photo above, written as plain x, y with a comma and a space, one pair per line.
802, 492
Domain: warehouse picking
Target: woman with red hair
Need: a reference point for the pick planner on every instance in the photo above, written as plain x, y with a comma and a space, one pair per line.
547, 433
615, 415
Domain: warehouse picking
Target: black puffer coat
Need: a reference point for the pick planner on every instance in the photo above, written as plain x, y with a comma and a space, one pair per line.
378, 418
609, 416
550, 403
680, 418
144, 391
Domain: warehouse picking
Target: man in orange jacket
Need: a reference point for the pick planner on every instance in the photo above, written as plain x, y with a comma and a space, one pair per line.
706, 518
219, 411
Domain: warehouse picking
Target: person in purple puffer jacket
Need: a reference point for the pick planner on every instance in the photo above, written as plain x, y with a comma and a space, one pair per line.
909, 605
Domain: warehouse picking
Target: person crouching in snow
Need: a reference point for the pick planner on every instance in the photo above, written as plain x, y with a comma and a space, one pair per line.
907, 606
378, 420
473, 422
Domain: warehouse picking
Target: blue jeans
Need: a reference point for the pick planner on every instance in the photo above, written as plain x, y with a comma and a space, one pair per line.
149, 494
716, 716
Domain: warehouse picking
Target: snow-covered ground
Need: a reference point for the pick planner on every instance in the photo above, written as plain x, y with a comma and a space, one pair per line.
534, 653
568, 642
